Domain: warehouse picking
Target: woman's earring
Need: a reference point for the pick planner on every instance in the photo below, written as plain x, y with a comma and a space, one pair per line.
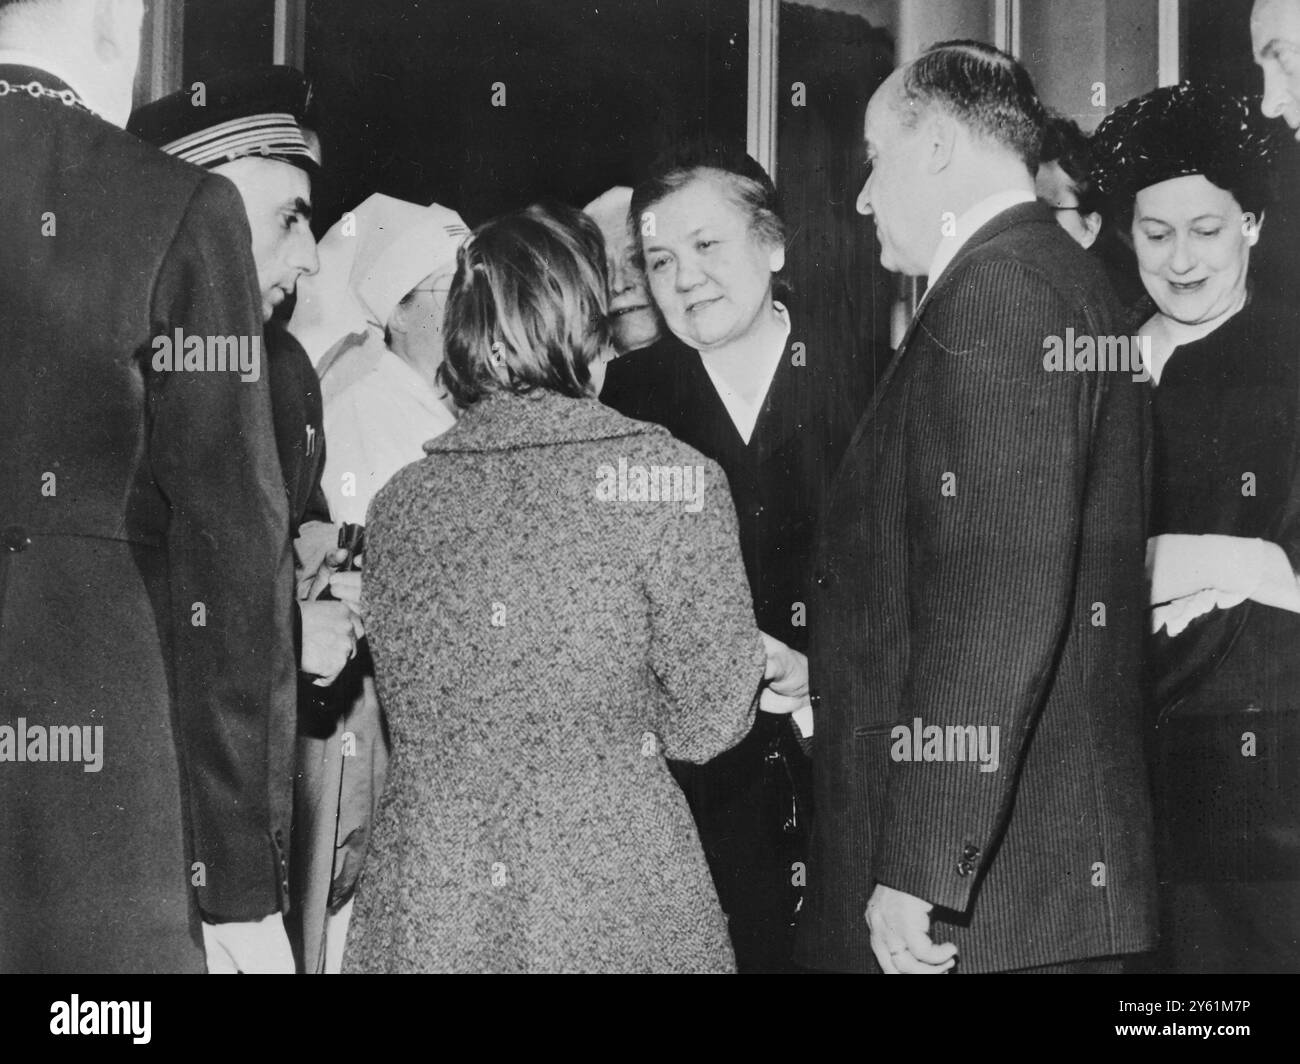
498, 355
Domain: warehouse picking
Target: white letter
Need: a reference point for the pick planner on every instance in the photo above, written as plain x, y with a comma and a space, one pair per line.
93, 751
989, 757
694, 501
141, 1029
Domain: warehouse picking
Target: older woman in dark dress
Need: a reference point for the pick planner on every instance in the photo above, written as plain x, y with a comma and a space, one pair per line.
773, 400
556, 602
1190, 168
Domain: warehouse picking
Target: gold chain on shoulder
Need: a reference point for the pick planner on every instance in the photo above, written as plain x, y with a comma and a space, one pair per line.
37, 91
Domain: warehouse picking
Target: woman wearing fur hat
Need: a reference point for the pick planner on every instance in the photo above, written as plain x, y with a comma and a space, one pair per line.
1188, 167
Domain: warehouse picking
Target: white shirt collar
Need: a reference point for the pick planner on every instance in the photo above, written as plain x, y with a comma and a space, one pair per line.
970, 222
13, 57
744, 413
397, 370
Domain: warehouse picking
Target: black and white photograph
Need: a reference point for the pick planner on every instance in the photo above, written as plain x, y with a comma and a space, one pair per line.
651, 487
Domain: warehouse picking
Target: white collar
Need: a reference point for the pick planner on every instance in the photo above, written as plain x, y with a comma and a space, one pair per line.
398, 371
13, 57
970, 222
744, 413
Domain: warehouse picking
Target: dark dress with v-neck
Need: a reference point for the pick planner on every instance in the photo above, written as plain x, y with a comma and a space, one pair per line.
752, 804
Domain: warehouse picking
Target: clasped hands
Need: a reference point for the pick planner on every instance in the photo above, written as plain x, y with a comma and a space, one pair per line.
331, 627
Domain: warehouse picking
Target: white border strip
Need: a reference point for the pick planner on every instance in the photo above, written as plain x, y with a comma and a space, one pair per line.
289, 34
1167, 35
167, 49
760, 125
1006, 26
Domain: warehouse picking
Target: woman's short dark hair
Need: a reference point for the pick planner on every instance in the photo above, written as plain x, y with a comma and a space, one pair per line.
1179, 130
743, 180
527, 308
983, 88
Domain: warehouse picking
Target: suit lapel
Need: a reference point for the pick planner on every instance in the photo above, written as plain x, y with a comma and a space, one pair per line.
995, 226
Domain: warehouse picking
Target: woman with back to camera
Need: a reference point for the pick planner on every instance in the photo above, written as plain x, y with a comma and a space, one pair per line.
375, 309
546, 628
1189, 168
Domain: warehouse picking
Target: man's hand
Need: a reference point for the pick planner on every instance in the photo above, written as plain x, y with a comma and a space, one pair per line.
785, 678
900, 935
786, 671
256, 947
330, 631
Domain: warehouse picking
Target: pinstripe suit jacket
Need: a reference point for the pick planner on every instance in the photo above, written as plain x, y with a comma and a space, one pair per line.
980, 564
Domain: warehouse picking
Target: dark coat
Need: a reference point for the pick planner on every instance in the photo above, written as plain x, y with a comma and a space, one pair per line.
745, 801
985, 512
781, 477
168, 493
539, 650
1226, 743
299, 425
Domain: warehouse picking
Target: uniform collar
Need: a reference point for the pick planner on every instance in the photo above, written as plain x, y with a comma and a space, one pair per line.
54, 76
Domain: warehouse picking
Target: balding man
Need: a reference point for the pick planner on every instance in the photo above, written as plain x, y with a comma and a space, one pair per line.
1275, 40
976, 619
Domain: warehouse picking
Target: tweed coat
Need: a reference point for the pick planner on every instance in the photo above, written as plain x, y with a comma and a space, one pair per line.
539, 648
167, 493
980, 565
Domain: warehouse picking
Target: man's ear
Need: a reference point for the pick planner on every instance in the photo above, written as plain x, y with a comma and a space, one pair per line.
940, 132
115, 25
776, 258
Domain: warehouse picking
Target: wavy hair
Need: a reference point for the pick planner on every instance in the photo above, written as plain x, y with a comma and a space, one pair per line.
985, 89
527, 308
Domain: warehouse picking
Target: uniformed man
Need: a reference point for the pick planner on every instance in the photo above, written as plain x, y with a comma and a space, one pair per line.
251, 126
147, 687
